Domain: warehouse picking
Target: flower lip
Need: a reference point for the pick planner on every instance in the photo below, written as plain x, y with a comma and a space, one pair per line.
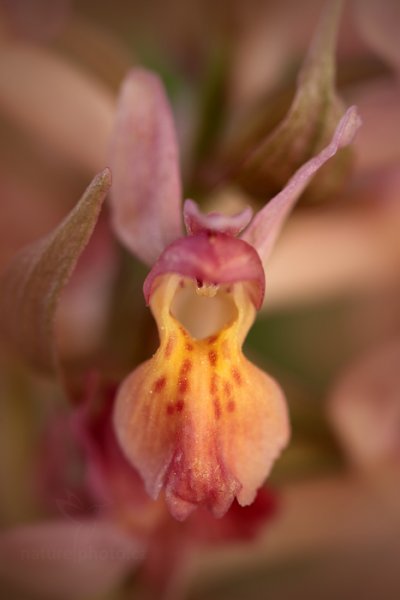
213, 258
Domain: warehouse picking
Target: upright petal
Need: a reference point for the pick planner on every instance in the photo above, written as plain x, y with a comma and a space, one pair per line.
32, 284
266, 225
146, 191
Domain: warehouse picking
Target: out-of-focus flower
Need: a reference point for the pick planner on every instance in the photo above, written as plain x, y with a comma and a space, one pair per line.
365, 408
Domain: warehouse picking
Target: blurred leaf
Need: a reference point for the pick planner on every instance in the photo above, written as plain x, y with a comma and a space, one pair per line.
31, 286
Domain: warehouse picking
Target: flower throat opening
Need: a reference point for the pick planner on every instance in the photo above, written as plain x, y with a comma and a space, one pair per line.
203, 309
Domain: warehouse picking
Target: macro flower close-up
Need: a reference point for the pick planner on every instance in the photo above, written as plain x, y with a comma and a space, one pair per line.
198, 353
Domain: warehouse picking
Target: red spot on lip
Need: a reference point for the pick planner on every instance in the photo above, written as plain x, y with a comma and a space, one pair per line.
212, 357
217, 408
237, 376
180, 405
228, 389
186, 366
169, 347
189, 346
212, 339
170, 409
231, 406
160, 384
183, 385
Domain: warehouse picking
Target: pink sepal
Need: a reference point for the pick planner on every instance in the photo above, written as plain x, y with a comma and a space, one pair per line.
266, 225
211, 258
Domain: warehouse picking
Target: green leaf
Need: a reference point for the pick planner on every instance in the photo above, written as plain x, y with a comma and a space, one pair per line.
31, 286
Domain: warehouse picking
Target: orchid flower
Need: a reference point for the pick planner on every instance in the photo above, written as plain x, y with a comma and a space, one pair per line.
198, 420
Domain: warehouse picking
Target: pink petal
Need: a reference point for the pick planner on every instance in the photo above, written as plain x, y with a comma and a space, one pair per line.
33, 282
213, 259
146, 192
266, 225
349, 249
196, 221
67, 560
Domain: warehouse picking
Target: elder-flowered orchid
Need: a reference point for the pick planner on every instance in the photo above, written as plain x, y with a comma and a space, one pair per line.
198, 420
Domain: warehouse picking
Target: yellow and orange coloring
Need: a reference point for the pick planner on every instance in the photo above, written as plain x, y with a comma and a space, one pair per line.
198, 419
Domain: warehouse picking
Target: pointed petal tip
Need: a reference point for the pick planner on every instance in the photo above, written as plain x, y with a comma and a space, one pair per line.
32, 284
264, 229
347, 128
105, 175
102, 181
